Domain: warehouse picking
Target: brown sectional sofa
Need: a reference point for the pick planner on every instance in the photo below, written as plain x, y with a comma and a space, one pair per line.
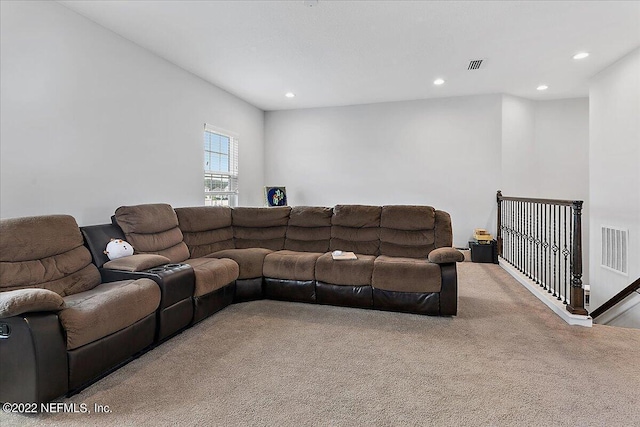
405, 259
61, 328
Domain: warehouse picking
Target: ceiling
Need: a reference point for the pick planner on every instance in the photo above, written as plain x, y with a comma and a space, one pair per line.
356, 52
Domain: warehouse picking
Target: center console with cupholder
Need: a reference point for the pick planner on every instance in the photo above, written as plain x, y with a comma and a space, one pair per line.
176, 281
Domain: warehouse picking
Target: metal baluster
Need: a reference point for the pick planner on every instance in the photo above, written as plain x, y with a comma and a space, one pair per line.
521, 237
538, 252
565, 252
529, 258
548, 287
555, 251
567, 295
522, 253
516, 254
507, 243
509, 231
543, 236
525, 218
531, 217
511, 236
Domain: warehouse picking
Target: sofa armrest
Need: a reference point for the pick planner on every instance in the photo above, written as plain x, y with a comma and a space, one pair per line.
13, 303
445, 256
138, 262
176, 281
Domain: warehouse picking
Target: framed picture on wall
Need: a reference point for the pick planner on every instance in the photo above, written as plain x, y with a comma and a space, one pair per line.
275, 196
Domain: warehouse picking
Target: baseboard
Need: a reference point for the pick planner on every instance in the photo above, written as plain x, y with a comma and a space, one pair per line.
551, 302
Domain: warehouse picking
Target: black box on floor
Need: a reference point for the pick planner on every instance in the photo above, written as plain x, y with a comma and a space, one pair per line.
484, 252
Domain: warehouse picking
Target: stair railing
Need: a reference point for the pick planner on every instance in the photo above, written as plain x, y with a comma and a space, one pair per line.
616, 299
542, 238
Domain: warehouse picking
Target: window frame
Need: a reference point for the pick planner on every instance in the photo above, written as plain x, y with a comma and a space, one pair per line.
229, 195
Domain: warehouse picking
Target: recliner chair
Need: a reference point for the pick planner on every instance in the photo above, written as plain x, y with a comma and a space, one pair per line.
61, 326
153, 229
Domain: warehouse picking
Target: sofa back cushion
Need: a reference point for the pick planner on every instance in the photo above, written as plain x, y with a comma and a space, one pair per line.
45, 252
356, 228
206, 229
153, 229
260, 227
444, 230
407, 231
309, 229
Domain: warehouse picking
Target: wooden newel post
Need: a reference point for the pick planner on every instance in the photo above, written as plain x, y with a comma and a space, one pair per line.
576, 300
499, 225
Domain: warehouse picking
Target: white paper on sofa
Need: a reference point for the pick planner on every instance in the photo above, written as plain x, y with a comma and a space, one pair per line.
341, 256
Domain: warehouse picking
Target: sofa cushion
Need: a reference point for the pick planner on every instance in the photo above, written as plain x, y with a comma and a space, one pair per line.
444, 230
21, 301
206, 229
260, 227
355, 272
290, 265
309, 229
406, 275
407, 231
249, 260
153, 229
212, 274
106, 309
45, 252
355, 228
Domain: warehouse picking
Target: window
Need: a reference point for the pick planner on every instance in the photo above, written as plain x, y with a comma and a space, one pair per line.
220, 167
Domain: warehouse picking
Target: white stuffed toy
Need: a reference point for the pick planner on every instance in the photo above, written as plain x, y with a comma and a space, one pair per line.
118, 248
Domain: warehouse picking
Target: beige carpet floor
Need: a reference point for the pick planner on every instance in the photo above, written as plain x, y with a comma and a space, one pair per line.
504, 360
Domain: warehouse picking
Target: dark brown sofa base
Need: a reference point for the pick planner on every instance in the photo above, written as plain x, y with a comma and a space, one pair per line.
33, 359
290, 290
174, 319
176, 282
347, 296
248, 290
443, 303
213, 302
449, 290
95, 360
408, 302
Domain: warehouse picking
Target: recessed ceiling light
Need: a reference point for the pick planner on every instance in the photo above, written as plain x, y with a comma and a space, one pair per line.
290, 95
438, 82
581, 55
542, 87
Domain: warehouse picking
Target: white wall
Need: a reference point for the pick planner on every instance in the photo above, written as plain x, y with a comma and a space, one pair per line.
614, 171
518, 147
545, 148
562, 149
452, 153
91, 121
439, 152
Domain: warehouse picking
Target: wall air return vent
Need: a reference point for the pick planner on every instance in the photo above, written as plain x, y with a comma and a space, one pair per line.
615, 248
475, 64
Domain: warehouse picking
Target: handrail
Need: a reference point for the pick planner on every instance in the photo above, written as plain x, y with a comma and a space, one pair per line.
613, 301
540, 244
559, 202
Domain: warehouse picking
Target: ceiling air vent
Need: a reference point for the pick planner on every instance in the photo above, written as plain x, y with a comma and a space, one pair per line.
475, 64
615, 247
